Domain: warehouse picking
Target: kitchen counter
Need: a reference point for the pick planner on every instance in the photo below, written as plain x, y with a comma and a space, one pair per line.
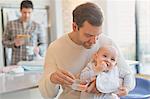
20, 86
17, 82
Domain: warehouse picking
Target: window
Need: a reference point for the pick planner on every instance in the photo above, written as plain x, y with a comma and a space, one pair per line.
143, 23
121, 25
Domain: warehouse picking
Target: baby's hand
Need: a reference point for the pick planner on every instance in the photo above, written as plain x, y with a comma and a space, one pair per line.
123, 91
100, 67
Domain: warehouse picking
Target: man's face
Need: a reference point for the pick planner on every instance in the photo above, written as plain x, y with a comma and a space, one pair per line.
26, 14
88, 34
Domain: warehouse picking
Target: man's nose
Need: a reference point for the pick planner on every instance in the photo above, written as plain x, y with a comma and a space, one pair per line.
27, 14
93, 39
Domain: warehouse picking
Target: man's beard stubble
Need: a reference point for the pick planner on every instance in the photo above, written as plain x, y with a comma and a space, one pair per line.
87, 45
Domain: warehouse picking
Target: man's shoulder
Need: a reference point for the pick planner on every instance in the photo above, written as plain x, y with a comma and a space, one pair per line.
13, 21
59, 42
34, 22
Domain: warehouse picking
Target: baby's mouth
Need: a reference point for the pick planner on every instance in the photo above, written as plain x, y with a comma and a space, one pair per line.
107, 67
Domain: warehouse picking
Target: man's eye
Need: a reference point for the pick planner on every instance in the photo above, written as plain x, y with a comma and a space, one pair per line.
88, 35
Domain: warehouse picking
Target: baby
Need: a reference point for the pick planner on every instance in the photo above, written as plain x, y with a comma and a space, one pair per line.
103, 68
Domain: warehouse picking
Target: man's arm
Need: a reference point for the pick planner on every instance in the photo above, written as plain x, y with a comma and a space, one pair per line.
46, 87
7, 39
53, 77
42, 41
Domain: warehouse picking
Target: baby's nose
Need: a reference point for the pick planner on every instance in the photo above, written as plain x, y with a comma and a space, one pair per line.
108, 63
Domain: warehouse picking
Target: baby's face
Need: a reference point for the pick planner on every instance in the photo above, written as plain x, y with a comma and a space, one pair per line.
108, 55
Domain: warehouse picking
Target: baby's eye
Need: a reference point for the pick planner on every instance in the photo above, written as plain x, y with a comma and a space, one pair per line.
113, 59
104, 56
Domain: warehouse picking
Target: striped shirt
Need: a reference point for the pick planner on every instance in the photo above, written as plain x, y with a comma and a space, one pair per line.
16, 27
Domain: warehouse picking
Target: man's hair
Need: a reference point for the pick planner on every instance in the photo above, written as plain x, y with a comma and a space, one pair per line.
89, 12
26, 4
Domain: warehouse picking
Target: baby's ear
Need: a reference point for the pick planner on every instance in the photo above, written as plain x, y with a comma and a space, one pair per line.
94, 56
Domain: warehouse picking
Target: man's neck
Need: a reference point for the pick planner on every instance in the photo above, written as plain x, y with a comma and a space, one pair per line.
73, 37
24, 20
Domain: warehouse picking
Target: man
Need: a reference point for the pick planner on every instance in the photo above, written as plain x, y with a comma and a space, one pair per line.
24, 36
67, 56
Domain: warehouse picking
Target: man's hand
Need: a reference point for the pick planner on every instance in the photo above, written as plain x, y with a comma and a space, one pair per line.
92, 88
62, 77
19, 42
123, 91
36, 50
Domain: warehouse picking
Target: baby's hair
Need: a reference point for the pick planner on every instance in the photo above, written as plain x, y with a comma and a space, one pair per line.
108, 47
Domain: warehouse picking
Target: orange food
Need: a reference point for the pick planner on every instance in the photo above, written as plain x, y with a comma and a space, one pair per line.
23, 36
82, 87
